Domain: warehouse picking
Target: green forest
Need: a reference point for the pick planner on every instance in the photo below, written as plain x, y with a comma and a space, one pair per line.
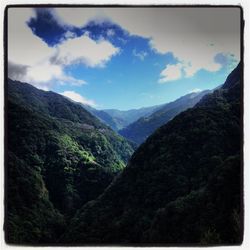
59, 158
72, 179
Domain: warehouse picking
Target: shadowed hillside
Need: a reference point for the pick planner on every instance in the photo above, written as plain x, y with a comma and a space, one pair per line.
182, 186
59, 157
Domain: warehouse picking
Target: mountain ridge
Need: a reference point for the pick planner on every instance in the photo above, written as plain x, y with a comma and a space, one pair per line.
59, 157
145, 126
123, 118
117, 119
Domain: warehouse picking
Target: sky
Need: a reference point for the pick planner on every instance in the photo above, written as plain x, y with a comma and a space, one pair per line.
123, 58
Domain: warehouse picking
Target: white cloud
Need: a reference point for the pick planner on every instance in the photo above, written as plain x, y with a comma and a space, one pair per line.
16, 71
196, 90
43, 75
141, 55
85, 50
23, 46
47, 72
171, 73
32, 60
43, 72
194, 35
78, 98
66, 79
29, 52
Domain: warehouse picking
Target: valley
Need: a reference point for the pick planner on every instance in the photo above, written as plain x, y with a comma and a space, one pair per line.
73, 180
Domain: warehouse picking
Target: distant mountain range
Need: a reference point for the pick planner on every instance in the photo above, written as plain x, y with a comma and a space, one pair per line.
118, 119
127, 117
139, 130
104, 117
137, 124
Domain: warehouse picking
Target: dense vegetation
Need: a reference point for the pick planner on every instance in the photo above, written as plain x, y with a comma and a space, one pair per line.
59, 157
139, 130
182, 186
66, 181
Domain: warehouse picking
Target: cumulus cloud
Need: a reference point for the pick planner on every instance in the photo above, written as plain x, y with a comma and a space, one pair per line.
85, 50
43, 76
31, 60
78, 98
23, 46
195, 36
28, 55
171, 73
199, 38
44, 72
141, 55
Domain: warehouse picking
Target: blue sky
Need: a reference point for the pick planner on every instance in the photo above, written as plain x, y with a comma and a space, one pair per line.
122, 59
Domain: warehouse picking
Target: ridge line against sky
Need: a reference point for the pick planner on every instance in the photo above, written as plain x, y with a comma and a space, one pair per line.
123, 58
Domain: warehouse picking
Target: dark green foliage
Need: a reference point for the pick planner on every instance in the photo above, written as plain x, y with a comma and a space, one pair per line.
60, 157
139, 130
31, 217
181, 186
212, 211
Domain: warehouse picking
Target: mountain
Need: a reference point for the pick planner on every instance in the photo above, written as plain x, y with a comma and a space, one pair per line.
118, 119
181, 186
139, 130
59, 156
124, 118
104, 117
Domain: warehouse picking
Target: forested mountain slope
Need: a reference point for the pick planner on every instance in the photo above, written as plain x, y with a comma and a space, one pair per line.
104, 117
139, 130
182, 186
59, 157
